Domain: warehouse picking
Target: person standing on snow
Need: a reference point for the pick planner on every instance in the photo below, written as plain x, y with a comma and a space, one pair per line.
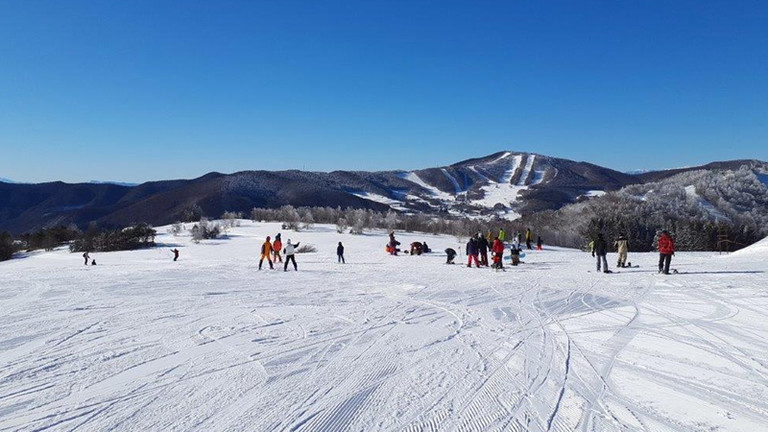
622, 247
482, 246
86, 256
600, 250
666, 250
339, 253
290, 250
175, 254
539, 242
472, 252
502, 235
498, 253
277, 246
266, 252
528, 238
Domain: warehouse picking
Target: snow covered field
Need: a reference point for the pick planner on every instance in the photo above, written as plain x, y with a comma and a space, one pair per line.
210, 343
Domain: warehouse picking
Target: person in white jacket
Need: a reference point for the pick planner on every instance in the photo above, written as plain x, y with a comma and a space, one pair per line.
290, 250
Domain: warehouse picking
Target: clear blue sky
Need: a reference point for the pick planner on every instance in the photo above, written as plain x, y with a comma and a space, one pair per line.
140, 90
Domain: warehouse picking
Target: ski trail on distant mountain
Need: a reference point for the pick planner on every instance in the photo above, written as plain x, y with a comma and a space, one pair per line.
414, 178
526, 170
456, 186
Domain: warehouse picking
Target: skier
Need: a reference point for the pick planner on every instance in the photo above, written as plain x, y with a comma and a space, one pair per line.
600, 250
289, 250
539, 242
472, 252
450, 255
482, 246
622, 246
666, 250
175, 254
339, 253
277, 246
498, 253
266, 252
528, 238
86, 256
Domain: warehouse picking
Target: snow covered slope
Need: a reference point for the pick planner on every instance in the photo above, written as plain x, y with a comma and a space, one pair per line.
382, 343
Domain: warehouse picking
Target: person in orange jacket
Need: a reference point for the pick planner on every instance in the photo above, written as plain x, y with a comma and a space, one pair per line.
266, 252
277, 246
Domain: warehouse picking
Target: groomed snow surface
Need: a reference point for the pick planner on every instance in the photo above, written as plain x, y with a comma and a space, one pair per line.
381, 343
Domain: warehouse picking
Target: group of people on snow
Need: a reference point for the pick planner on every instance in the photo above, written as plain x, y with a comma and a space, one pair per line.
271, 252
478, 247
599, 249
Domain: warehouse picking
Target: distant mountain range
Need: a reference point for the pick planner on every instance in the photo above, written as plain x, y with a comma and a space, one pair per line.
502, 185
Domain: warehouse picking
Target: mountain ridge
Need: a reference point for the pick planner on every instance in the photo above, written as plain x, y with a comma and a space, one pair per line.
504, 184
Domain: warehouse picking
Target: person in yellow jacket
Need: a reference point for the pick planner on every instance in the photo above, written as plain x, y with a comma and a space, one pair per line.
277, 246
266, 252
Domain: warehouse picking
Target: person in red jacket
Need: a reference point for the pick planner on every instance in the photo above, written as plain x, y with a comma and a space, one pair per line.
666, 250
498, 251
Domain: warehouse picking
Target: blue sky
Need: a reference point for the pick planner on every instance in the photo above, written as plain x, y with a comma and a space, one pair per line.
142, 90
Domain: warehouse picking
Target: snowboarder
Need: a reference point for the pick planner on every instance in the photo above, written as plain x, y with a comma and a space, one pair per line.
86, 256
339, 253
501, 235
266, 252
515, 242
175, 254
277, 246
622, 247
498, 253
425, 248
600, 250
528, 238
472, 252
93, 261
290, 250
515, 254
666, 250
482, 246
450, 255
539, 242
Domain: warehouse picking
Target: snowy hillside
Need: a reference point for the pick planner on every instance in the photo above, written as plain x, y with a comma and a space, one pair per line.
381, 343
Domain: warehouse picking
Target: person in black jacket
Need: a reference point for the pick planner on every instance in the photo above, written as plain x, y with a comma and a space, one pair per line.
450, 254
482, 246
472, 252
600, 250
340, 253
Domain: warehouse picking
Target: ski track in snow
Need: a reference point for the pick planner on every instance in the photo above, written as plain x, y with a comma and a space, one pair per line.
384, 343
